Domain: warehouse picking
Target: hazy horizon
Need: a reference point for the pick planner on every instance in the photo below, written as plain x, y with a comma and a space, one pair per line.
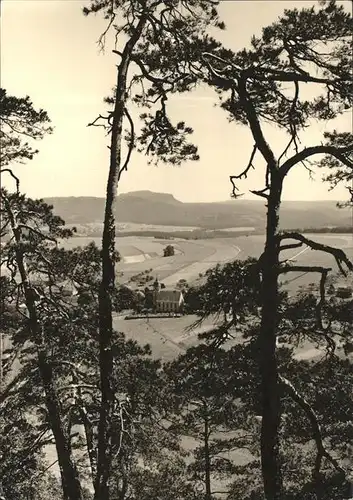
244, 198
63, 72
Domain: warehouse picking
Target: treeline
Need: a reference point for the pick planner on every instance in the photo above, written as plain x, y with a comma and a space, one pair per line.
318, 230
195, 234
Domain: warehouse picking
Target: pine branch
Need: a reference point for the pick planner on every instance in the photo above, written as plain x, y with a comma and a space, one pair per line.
101, 40
153, 79
324, 272
269, 75
315, 426
337, 152
14, 386
293, 129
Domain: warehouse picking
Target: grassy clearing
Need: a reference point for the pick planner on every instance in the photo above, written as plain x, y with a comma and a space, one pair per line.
168, 337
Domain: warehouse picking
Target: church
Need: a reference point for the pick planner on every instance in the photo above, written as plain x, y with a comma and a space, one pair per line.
165, 300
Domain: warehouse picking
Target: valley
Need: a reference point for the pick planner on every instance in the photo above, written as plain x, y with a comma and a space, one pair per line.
194, 257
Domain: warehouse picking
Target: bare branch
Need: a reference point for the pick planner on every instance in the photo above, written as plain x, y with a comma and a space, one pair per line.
305, 269
234, 188
261, 192
244, 173
290, 246
17, 180
101, 40
338, 254
96, 124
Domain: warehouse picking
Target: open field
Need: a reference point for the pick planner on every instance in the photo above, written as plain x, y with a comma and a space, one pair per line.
196, 256
171, 337
168, 337
190, 259
132, 226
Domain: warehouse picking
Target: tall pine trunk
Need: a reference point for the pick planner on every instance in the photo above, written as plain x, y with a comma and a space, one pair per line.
69, 475
208, 494
107, 285
271, 404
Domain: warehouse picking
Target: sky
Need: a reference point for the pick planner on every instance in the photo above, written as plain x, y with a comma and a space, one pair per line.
49, 52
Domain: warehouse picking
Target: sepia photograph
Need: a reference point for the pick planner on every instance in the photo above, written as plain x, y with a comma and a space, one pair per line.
176, 238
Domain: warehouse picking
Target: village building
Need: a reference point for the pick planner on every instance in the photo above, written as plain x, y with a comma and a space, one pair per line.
164, 300
344, 292
169, 301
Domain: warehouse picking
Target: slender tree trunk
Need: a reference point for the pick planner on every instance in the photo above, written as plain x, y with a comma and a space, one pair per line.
69, 476
207, 460
271, 407
271, 411
123, 485
89, 434
107, 285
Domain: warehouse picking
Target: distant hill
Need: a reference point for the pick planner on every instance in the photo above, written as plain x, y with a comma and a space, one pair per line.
146, 207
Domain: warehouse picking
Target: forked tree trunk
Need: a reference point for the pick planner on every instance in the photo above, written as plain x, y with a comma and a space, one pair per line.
271, 404
69, 475
107, 285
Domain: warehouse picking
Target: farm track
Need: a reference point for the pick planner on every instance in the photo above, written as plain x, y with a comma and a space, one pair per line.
196, 257
191, 267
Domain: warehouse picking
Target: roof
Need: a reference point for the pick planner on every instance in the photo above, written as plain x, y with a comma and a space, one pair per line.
169, 295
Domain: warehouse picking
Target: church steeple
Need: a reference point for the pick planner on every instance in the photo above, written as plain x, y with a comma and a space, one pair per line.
156, 285
156, 289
